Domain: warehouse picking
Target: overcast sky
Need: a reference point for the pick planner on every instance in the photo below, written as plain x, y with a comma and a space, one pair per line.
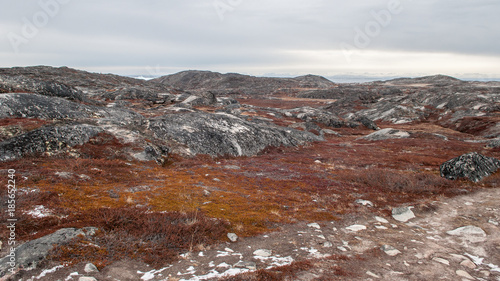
272, 37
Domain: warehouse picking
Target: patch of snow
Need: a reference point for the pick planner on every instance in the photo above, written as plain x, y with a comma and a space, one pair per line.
48, 271
39, 212
276, 261
71, 276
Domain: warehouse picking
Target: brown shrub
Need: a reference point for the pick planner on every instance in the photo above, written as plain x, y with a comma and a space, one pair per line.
136, 233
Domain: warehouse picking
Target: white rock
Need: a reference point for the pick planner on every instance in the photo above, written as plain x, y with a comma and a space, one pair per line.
390, 250
440, 260
365, 202
471, 233
381, 220
464, 274
90, 268
314, 225
87, 279
403, 214
232, 237
371, 274
467, 230
381, 227
327, 245
356, 227
468, 263
263, 253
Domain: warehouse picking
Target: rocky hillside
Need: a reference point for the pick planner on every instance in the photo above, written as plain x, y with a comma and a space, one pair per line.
233, 83
200, 176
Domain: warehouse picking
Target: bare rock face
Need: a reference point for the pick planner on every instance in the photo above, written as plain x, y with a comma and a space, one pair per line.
387, 133
224, 134
472, 166
47, 139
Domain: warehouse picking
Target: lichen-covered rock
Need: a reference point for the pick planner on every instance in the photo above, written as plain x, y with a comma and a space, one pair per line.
385, 134
472, 166
46, 140
24, 105
225, 134
47, 88
32, 252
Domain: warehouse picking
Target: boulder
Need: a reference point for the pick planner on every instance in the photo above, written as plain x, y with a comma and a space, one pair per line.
472, 166
223, 134
29, 254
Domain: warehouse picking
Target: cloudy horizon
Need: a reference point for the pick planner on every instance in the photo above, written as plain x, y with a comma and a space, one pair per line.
274, 38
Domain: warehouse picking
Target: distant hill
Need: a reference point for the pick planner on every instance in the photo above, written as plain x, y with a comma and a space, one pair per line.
233, 82
434, 79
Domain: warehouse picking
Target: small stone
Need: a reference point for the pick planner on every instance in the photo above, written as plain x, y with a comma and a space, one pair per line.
403, 214
314, 225
327, 245
365, 202
493, 222
232, 237
440, 260
464, 274
229, 250
356, 227
246, 264
87, 279
381, 220
486, 273
390, 250
263, 253
341, 248
89, 268
371, 274
381, 227
468, 263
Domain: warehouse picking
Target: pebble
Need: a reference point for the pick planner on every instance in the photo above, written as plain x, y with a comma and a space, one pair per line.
232, 237
263, 253
371, 274
467, 263
403, 214
382, 220
327, 245
464, 274
441, 260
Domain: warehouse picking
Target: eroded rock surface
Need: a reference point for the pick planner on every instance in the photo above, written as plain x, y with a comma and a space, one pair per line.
224, 134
